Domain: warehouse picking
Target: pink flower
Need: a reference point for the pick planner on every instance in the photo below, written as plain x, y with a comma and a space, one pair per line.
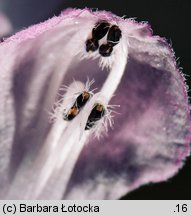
139, 89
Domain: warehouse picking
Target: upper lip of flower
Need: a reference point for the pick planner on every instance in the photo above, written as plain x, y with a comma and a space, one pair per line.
40, 65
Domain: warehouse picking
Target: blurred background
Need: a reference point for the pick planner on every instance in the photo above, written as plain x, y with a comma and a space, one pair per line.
169, 19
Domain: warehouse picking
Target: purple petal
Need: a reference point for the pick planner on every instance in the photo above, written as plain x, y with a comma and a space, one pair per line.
151, 135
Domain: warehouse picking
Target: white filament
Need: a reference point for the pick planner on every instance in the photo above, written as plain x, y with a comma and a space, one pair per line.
53, 145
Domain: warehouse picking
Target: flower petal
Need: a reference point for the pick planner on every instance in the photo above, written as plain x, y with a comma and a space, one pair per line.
151, 134
34, 65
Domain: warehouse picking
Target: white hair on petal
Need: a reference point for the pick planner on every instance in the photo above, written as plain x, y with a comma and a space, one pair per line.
102, 126
68, 96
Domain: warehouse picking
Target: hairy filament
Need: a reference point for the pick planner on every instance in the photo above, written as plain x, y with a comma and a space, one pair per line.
60, 131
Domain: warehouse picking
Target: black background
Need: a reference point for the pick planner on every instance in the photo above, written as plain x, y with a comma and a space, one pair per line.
169, 19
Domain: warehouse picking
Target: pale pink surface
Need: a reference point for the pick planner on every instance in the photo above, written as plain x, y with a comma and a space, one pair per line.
151, 135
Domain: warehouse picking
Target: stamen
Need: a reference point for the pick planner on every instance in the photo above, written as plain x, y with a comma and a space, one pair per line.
79, 103
81, 100
100, 30
46, 161
114, 35
118, 64
72, 113
96, 114
117, 69
92, 45
105, 50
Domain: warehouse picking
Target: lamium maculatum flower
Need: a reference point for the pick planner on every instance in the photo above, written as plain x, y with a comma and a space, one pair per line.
92, 107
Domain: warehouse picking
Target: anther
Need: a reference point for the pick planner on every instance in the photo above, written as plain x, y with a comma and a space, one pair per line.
72, 113
96, 114
80, 101
100, 30
105, 50
92, 45
114, 35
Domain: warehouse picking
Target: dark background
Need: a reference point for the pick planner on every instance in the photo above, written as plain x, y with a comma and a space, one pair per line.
169, 19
